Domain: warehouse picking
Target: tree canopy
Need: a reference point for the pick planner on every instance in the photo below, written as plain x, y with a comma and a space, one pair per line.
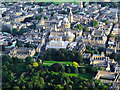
75, 64
23, 75
62, 55
79, 27
18, 32
85, 29
111, 35
38, 17
94, 23
106, 21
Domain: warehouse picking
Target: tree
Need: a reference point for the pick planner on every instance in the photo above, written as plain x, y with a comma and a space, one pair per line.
109, 4
40, 10
68, 70
79, 26
11, 77
3, 14
101, 49
46, 17
64, 12
75, 69
23, 88
18, 44
68, 87
82, 70
35, 64
118, 59
29, 45
57, 67
22, 31
16, 88
89, 47
38, 17
96, 52
75, 64
15, 31
59, 87
28, 19
39, 86
104, 87
21, 81
6, 28
113, 56
29, 85
6, 58
4, 68
6, 85
111, 35
42, 80
85, 29
80, 86
106, 21
78, 57
33, 26
62, 74
29, 60
53, 13
3, 48
94, 23
62, 54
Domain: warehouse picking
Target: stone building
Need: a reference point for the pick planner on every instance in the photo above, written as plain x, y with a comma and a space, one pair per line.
66, 23
22, 52
70, 15
107, 77
57, 44
102, 61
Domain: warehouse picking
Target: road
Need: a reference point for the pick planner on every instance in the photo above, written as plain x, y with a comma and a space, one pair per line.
110, 33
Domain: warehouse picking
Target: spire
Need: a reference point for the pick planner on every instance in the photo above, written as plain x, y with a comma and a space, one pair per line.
55, 27
71, 15
81, 4
70, 11
116, 15
42, 21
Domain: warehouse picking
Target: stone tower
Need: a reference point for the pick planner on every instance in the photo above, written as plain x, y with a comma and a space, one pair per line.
71, 15
42, 21
65, 23
55, 27
81, 4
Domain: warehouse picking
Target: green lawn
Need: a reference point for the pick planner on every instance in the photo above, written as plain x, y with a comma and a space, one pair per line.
49, 63
62, 0
89, 76
85, 75
57, 2
72, 74
76, 3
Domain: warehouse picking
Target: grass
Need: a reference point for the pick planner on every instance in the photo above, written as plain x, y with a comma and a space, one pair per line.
72, 74
84, 75
49, 63
57, 2
88, 76
62, 0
